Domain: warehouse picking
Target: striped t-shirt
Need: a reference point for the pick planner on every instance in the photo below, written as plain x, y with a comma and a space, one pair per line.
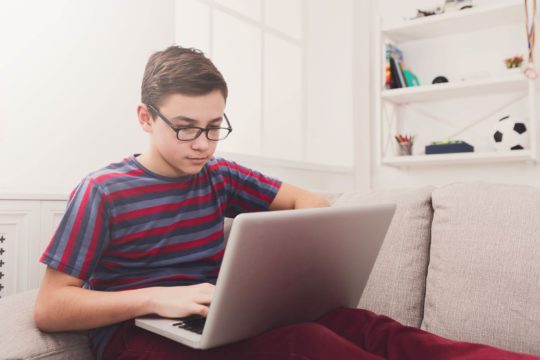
126, 227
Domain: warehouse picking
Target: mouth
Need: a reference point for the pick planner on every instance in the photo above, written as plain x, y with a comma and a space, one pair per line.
197, 160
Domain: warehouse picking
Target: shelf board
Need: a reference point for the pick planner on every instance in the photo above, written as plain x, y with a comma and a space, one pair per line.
477, 18
445, 91
459, 158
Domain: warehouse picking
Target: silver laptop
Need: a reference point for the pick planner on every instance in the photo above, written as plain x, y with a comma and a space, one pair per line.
281, 268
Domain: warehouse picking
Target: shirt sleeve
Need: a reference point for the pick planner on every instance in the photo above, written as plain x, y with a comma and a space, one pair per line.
247, 190
83, 232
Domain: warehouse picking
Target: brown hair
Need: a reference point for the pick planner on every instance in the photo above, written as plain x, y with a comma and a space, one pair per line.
180, 70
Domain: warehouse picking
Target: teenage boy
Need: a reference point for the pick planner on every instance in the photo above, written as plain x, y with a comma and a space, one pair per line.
145, 236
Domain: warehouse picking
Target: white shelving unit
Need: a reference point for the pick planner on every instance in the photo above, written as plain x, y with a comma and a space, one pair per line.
511, 12
455, 90
431, 27
458, 158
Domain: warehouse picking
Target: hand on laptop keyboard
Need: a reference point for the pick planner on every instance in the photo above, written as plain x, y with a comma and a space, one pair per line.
179, 301
193, 323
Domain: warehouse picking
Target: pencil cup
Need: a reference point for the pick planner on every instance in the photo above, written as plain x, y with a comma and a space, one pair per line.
405, 149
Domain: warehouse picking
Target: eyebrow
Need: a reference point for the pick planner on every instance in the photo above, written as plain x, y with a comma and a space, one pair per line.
193, 121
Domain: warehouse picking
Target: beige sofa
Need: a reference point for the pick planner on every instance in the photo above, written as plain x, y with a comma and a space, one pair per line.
461, 260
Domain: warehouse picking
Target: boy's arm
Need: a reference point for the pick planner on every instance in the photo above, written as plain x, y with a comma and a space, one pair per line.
62, 304
292, 197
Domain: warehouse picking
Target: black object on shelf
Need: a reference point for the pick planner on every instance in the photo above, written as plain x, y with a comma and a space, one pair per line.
447, 148
440, 80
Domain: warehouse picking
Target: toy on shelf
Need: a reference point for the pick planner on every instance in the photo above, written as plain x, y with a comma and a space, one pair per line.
513, 62
449, 6
448, 146
510, 133
456, 5
440, 80
428, 12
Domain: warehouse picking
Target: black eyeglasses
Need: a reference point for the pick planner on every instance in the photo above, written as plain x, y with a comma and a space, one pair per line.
189, 133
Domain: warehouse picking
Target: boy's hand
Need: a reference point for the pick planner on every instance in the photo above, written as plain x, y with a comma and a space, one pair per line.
181, 301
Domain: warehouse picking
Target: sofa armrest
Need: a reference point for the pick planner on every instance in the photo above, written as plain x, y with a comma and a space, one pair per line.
21, 339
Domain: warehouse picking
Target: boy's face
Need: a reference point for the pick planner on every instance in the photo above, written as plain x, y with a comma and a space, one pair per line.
172, 157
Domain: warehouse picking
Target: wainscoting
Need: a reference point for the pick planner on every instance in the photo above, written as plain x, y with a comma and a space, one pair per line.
27, 223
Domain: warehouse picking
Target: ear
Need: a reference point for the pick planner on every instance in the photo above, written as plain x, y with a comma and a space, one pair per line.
145, 119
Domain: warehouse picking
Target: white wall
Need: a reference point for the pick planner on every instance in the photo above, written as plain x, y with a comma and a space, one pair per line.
70, 75
70, 81
316, 177
457, 57
289, 67
329, 81
71, 71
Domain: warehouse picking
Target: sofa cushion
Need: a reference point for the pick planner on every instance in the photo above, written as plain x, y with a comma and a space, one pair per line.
20, 339
483, 282
396, 286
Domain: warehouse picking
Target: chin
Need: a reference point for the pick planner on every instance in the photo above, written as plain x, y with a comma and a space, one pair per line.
191, 169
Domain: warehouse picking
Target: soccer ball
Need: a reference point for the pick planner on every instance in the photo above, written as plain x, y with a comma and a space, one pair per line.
510, 133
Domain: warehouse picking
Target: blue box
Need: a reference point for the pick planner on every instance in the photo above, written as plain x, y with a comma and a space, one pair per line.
449, 148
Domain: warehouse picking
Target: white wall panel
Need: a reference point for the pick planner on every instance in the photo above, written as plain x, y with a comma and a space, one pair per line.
193, 24
19, 226
329, 83
237, 53
249, 8
71, 75
26, 228
283, 117
285, 16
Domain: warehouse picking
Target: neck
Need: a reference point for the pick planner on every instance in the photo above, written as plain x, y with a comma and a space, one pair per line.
154, 162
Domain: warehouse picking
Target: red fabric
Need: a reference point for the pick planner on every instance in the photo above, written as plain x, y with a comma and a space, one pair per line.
341, 334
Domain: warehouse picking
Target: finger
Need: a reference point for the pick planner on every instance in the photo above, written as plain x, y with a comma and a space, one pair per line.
201, 310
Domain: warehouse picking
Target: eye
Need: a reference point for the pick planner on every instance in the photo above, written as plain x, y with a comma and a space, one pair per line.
188, 130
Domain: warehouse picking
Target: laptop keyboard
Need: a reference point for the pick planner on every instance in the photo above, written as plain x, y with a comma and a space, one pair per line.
194, 323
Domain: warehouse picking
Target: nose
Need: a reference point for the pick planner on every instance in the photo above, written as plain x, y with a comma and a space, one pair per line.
201, 143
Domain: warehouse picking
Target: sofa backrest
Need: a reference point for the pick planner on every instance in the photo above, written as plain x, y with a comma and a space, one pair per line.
483, 280
396, 286
461, 261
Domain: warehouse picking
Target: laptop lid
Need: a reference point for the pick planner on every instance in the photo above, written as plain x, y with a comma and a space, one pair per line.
285, 267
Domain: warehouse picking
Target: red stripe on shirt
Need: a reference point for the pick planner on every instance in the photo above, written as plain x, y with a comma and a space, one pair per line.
164, 229
156, 188
242, 170
82, 208
167, 249
90, 254
249, 190
161, 280
216, 257
160, 208
125, 281
104, 177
